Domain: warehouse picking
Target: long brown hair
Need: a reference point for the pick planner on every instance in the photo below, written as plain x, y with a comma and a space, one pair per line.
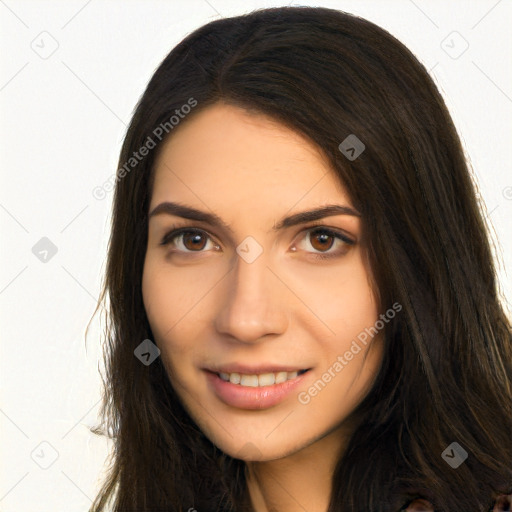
447, 369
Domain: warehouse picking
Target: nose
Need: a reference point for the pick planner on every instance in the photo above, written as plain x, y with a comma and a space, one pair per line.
253, 304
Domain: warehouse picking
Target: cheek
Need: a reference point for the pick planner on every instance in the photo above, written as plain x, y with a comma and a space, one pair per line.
350, 358
344, 300
161, 301
173, 291
174, 309
167, 295
154, 298
347, 305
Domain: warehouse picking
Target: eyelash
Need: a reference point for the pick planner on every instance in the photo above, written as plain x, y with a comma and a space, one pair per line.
171, 235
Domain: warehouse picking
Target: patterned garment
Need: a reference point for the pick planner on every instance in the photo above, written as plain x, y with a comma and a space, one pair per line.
502, 504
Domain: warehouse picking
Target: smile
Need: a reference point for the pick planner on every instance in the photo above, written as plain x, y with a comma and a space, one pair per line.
254, 391
259, 380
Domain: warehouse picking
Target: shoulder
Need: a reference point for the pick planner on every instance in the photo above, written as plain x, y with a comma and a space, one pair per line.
502, 504
419, 506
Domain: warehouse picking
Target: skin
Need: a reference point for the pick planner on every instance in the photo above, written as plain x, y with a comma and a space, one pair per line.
207, 305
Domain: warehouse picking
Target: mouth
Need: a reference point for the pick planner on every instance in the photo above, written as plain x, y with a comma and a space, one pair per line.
255, 390
254, 380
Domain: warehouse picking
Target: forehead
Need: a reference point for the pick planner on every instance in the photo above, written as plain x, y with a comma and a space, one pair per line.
224, 152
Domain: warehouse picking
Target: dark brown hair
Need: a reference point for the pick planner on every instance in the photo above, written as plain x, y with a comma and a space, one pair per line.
446, 373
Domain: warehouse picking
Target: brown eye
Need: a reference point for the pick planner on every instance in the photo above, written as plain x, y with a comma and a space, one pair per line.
325, 243
189, 240
321, 241
194, 241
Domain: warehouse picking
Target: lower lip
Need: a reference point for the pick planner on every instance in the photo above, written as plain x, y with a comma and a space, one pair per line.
246, 397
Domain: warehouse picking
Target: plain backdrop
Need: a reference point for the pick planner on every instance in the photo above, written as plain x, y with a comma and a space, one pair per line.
71, 73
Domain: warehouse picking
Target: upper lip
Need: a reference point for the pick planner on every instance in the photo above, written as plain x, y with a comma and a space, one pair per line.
253, 370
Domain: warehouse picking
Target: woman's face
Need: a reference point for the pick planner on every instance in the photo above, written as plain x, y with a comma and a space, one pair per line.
255, 288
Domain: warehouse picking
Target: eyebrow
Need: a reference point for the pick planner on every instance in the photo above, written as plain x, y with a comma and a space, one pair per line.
187, 212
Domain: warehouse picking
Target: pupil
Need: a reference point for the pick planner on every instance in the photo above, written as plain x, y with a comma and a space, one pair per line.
195, 238
323, 237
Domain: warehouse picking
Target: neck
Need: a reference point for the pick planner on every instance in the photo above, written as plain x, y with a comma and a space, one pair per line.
299, 481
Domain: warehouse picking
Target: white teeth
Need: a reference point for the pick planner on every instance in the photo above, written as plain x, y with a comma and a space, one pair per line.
249, 380
281, 377
261, 380
234, 378
266, 379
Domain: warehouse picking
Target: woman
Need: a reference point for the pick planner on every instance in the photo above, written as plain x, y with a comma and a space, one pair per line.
303, 305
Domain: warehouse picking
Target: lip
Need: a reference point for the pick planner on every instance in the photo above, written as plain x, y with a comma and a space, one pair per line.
245, 397
254, 370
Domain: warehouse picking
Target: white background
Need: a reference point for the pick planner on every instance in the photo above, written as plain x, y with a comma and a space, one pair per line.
63, 121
